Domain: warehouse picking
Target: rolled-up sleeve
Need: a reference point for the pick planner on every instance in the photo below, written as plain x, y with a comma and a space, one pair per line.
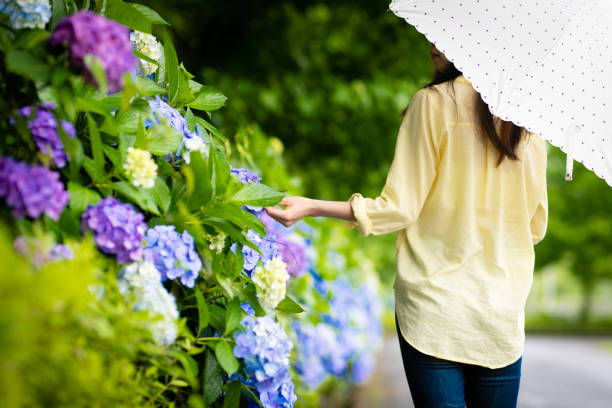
412, 172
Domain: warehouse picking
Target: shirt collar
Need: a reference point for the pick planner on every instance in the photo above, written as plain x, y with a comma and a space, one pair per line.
461, 79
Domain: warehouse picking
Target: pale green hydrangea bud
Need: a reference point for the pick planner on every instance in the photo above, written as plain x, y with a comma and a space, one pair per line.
139, 165
148, 45
271, 282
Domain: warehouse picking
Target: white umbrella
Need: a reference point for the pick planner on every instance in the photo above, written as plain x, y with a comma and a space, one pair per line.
544, 65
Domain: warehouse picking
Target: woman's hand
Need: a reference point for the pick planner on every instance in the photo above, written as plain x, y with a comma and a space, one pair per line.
295, 209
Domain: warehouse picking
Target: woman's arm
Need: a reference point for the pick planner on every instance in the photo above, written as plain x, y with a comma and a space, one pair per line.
300, 207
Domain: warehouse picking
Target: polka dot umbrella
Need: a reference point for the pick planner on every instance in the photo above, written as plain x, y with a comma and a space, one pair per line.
544, 65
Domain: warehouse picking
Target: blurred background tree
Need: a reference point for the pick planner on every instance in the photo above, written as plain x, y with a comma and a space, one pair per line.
329, 78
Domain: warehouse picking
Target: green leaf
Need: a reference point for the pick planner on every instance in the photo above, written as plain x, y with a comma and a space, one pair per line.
203, 315
96, 147
251, 394
233, 315
171, 66
232, 396
212, 384
217, 317
208, 99
289, 305
26, 64
94, 65
220, 170
81, 197
142, 197
160, 139
184, 95
126, 14
257, 194
251, 295
147, 87
28, 39
58, 12
243, 219
149, 14
202, 189
161, 193
226, 358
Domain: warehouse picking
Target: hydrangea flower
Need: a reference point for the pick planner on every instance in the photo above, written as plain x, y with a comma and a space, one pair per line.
271, 282
41, 251
319, 353
267, 246
191, 141
172, 254
87, 33
265, 348
43, 128
148, 45
139, 165
27, 13
143, 282
245, 175
31, 190
118, 228
216, 241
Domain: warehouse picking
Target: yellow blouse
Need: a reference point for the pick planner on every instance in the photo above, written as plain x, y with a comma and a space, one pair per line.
465, 230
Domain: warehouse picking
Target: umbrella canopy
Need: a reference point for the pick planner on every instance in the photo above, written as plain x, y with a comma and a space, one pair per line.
544, 65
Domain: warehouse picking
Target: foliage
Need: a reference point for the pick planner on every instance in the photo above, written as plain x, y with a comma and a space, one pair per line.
145, 176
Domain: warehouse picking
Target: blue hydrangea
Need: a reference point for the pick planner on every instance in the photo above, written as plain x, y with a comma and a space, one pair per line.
267, 246
265, 348
27, 13
173, 255
245, 175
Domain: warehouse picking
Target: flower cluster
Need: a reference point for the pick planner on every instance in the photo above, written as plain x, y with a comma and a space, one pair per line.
265, 348
87, 33
192, 141
142, 281
148, 45
27, 13
271, 282
267, 246
41, 251
172, 254
354, 313
31, 190
43, 128
118, 228
139, 165
293, 247
320, 352
216, 241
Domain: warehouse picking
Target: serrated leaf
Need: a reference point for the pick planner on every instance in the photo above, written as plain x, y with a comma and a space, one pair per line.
243, 219
289, 305
160, 139
212, 383
140, 196
203, 315
81, 197
126, 14
232, 396
162, 195
257, 194
208, 99
226, 358
150, 14
217, 317
233, 315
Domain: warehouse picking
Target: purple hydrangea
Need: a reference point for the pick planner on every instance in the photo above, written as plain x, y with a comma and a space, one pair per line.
31, 190
265, 348
87, 33
173, 255
43, 128
118, 228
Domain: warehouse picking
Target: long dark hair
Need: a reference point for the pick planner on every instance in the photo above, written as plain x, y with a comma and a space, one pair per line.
510, 134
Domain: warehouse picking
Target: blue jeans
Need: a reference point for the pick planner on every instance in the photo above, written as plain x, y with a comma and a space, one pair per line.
437, 383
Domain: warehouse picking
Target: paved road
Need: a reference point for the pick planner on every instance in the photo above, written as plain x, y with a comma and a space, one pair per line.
557, 372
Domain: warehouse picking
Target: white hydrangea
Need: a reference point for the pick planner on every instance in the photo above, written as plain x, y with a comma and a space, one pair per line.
143, 282
217, 241
148, 45
27, 13
271, 282
139, 165
195, 144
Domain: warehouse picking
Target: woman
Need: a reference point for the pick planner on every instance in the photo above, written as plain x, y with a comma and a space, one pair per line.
466, 194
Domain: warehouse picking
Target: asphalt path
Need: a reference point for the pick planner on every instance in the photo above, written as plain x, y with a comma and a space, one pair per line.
557, 372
